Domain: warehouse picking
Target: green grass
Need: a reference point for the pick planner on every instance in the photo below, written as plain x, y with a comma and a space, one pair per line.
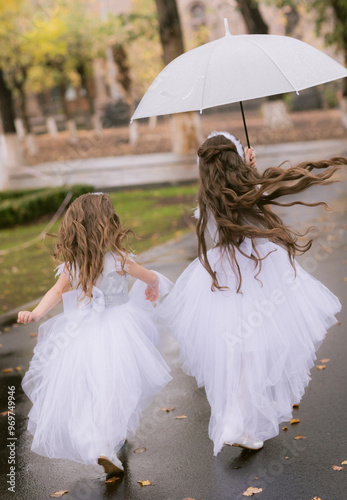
155, 215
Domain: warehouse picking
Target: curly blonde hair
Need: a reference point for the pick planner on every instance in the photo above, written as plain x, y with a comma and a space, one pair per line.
89, 227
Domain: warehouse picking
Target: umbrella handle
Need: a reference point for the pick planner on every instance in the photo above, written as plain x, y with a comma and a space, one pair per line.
244, 124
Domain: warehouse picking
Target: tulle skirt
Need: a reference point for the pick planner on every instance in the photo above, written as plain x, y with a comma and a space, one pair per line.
252, 351
92, 375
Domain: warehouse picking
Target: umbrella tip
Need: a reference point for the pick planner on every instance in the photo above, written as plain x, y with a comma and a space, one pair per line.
226, 26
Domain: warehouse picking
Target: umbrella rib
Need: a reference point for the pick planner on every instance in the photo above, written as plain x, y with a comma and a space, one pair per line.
203, 87
274, 62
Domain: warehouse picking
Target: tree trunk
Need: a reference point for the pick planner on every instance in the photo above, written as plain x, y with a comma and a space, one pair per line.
252, 17
169, 29
6, 107
70, 123
10, 149
340, 10
185, 126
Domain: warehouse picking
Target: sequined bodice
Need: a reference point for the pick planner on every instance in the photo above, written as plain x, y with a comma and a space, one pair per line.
113, 285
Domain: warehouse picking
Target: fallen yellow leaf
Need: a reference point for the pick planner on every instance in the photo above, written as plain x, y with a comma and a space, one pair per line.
251, 491
325, 360
320, 367
6, 329
144, 483
299, 436
295, 421
345, 279
171, 408
296, 407
337, 323
140, 450
59, 493
32, 334
286, 458
7, 370
182, 416
344, 462
337, 467
284, 428
316, 498
112, 480
18, 368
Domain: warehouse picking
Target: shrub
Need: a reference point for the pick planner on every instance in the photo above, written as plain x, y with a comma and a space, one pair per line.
27, 206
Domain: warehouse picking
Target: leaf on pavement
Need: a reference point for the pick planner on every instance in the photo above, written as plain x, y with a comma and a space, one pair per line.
6, 329
337, 323
181, 416
140, 450
344, 462
296, 406
345, 279
7, 370
337, 467
320, 367
112, 480
324, 360
251, 491
295, 421
144, 483
284, 428
171, 408
33, 334
18, 368
299, 436
59, 493
316, 498
188, 498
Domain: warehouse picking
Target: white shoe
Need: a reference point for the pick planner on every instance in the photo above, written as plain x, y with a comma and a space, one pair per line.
249, 443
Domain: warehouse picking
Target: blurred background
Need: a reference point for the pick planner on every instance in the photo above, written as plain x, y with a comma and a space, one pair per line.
71, 75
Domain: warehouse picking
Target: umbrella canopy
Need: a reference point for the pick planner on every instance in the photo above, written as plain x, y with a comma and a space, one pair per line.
237, 68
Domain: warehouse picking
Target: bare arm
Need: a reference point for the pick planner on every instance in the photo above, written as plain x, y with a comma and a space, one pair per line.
149, 277
51, 299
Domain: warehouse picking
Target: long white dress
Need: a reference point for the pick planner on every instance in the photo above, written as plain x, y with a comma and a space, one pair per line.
252, 351
95, 368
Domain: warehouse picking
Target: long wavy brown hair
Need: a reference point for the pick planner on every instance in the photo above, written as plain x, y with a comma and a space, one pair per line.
239, 198
89, 227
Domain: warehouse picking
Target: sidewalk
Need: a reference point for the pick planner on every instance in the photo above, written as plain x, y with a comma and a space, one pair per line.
159, 168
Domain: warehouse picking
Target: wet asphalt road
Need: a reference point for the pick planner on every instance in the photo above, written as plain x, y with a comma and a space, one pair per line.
179, 461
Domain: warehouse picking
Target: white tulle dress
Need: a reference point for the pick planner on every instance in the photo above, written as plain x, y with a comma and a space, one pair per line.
252, 351
94, 370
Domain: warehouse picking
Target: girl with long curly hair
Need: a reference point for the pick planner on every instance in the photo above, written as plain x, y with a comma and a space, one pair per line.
95, 367
247, 317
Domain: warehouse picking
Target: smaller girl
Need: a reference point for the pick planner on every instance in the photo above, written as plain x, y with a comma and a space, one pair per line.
247, 317
95, 367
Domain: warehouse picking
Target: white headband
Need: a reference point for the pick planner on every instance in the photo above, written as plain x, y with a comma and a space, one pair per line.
232, 139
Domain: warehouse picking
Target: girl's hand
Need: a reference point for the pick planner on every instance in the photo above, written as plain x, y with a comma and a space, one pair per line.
250, 157
27, 317
152, 292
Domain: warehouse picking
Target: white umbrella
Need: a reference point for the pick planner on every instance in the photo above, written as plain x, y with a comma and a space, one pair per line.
235, 69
